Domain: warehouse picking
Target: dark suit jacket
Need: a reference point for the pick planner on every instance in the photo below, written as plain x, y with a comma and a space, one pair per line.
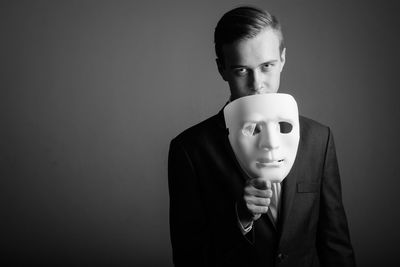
205, 182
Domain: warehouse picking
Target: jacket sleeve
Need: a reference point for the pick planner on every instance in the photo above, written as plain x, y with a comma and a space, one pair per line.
187, 218
333, 239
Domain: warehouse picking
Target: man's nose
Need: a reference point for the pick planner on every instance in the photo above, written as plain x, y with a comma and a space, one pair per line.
270, 137
256, 83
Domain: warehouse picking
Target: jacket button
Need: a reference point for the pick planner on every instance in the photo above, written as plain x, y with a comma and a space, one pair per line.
281, 257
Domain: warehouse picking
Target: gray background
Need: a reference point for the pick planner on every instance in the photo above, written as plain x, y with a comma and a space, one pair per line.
91, 93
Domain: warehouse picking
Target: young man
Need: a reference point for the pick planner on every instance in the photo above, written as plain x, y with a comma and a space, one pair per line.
218, 215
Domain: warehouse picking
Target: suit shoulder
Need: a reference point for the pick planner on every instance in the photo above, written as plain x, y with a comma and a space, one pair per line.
203, 130
311, 124
310, 128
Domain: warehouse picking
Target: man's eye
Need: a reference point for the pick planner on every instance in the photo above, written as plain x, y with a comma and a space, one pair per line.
285, 127
251, 129
241, 71
267, 67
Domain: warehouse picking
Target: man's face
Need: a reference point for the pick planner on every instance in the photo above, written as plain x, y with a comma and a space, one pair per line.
253, 66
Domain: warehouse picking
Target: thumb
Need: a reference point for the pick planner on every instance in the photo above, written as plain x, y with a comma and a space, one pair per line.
261, 184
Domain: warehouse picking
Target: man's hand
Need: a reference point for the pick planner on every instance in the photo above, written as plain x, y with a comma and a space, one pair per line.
257, 197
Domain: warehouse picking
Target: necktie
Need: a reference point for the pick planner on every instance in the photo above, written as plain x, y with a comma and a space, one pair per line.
274, 205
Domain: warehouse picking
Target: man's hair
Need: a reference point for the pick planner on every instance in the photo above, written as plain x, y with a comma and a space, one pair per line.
244, 23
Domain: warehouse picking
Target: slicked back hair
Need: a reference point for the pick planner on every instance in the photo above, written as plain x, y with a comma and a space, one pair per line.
244, 23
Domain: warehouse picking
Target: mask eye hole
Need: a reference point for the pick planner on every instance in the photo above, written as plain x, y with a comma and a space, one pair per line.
251, 129
285, 127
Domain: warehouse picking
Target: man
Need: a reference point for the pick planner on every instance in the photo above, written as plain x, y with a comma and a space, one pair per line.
221, 217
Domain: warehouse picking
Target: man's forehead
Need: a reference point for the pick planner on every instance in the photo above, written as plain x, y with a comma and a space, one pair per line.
262, 48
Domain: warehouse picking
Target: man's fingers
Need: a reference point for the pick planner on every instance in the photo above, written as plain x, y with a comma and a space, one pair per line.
257, 209
252, 191
257, 195
258, 201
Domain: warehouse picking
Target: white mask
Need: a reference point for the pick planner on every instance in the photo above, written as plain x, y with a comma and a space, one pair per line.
264, 134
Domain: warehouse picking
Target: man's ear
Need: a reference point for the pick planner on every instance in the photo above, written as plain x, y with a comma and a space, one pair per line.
221, 68
283, 58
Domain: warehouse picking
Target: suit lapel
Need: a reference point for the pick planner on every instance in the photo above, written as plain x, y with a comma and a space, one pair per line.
289, 186
288, 192
235, 177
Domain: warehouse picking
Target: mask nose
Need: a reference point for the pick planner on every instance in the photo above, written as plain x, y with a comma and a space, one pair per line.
269, 139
